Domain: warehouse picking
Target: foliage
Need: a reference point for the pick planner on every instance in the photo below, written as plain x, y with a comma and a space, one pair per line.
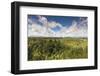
57, 48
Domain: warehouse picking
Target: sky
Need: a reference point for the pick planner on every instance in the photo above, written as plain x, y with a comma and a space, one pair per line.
57, 26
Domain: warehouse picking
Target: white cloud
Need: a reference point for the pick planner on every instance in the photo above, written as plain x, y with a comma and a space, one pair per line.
43, 20
75, 30
54, 24
30, 21
37, 30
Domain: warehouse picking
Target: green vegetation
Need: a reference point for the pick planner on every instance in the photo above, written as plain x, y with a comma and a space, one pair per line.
57, 48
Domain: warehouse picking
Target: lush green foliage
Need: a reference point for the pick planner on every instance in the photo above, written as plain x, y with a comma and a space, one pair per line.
57, 48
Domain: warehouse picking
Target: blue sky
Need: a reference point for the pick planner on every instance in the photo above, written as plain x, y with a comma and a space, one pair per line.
65, 21
58, 23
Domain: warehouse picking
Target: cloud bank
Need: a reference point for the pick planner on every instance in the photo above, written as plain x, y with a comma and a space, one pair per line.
46, 28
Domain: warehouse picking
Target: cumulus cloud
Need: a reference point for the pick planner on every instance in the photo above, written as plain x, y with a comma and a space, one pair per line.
43, 20
76, 29
50, 24
54, 24
36, 30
